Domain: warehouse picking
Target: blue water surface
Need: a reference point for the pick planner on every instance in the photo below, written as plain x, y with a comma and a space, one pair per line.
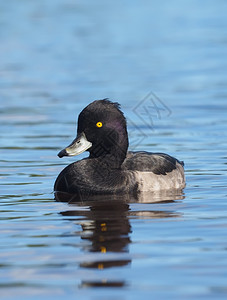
165, 62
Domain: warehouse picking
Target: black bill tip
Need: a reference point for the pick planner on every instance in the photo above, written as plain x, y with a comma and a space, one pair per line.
62, 153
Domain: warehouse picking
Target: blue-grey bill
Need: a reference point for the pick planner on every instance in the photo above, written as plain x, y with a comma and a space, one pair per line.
78, 146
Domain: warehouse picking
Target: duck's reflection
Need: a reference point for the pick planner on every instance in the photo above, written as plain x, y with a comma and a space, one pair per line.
106, 225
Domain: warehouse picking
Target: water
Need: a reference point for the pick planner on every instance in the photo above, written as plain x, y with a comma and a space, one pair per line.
56, 57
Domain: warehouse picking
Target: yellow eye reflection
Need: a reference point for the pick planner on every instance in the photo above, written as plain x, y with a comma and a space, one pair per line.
99, 124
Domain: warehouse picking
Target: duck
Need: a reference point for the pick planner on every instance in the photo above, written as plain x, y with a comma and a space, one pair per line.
110, 168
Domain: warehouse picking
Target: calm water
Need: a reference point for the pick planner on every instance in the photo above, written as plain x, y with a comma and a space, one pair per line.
56, 57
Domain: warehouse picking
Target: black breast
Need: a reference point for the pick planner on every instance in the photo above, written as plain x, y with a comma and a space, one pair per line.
90, 176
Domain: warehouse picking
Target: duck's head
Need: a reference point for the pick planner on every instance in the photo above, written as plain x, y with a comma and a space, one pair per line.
102, 131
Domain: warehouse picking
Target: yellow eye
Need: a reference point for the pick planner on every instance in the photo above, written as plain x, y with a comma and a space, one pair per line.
99, 124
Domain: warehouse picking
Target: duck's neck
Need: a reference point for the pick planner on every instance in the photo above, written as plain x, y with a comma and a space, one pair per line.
112, 151
113, 159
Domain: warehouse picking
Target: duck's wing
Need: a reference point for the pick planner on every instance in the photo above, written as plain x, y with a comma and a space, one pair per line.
158, 163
